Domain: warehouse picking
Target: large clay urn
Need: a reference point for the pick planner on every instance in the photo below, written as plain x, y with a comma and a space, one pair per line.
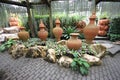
57, 31
43, 34
74, 43
91, 30
23, 35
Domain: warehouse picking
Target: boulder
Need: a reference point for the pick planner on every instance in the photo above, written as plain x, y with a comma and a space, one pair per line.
92, 60
17, 50
36, 51
42, 50
51, 57
98, 49
65, 61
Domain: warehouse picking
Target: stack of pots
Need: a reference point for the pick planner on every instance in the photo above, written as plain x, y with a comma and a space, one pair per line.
103, 27
13, 21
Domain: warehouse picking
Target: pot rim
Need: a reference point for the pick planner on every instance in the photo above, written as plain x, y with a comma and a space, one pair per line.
76, 34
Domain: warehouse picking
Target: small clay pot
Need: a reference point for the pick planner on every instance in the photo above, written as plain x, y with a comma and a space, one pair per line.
74, 43
23, 35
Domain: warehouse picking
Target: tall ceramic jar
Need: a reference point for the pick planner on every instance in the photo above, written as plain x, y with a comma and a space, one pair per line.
43, 34
57, 31
74, 43
91, 30
23, 35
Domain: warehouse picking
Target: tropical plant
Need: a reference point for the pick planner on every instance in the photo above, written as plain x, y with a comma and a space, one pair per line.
60, 49
68, 30
104, 15
86, 49
6, 45
81, 36
114, 37
80, 64
33, 42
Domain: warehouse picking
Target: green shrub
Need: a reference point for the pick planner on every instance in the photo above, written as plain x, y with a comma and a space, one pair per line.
114, 30
6, 45
80, 64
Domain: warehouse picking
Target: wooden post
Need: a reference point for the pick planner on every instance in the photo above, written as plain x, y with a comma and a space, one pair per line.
30, 19
50, 21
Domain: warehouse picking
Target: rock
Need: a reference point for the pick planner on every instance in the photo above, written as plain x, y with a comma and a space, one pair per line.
17, 50
42, 50
11, 48
36, 51
51, 57
65, 61
62, 42
32, 52
98, 49
92, 60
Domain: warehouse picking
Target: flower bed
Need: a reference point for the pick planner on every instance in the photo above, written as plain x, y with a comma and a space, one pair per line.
57, 52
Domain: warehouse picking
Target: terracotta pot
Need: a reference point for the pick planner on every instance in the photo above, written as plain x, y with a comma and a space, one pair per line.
57, 31
43, 34
80, 25
11, 19
101, 27
101, 22
102, 33
23, 35
74, 43
13, 23
104, 22
106, 28
91, 30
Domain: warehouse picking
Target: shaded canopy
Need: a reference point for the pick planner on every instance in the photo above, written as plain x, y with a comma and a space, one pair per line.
35, 2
